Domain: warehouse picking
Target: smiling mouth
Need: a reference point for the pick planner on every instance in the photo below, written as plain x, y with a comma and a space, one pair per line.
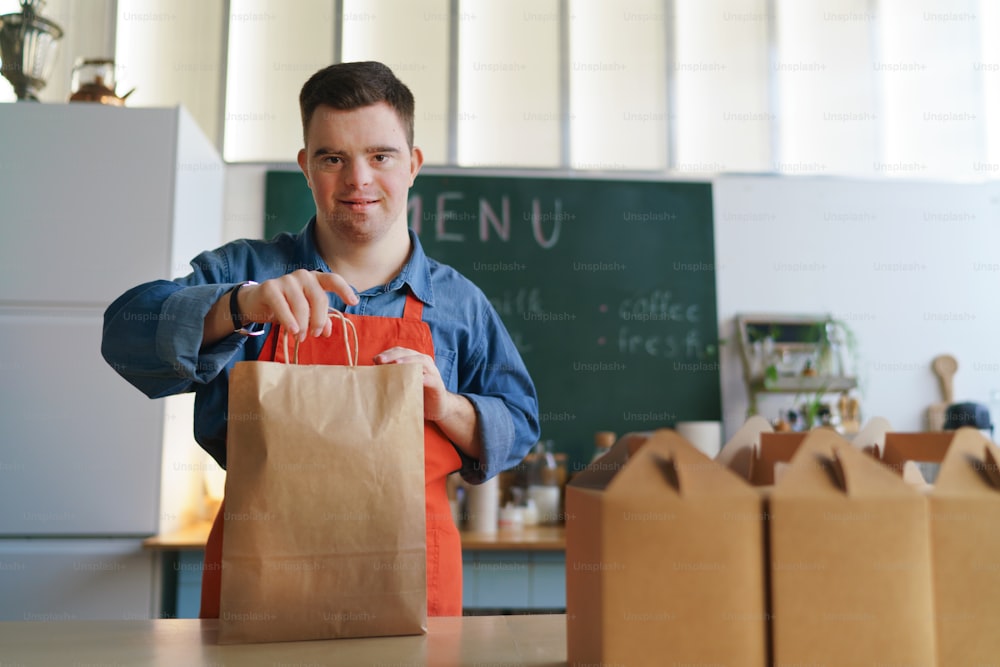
358, 204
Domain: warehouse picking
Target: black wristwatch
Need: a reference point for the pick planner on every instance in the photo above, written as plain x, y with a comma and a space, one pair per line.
254, 328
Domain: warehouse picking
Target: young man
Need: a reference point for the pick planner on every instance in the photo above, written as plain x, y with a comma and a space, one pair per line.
356, 255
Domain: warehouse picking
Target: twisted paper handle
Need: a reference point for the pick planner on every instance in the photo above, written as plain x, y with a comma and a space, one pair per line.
352, 359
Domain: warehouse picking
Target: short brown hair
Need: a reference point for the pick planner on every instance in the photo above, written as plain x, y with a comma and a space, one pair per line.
353, 85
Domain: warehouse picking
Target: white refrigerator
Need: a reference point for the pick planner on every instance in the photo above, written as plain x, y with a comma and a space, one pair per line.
93, 200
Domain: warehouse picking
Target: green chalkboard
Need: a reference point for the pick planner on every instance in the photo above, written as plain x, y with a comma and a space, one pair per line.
606, 286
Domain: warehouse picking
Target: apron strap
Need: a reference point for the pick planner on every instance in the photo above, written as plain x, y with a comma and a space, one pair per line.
413, 309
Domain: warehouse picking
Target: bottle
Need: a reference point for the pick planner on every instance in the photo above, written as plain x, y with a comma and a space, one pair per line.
543, 482
603, 440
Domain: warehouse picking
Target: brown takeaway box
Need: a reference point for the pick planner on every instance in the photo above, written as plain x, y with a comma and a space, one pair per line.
963, 515
664, 559
757, 454
965, 538
850, 561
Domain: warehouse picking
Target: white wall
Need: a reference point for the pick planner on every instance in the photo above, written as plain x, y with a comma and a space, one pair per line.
912, 267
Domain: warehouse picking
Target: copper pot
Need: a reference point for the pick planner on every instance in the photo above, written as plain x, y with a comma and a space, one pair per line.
95, 92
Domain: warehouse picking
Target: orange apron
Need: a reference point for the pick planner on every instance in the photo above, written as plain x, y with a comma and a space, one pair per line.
444, 547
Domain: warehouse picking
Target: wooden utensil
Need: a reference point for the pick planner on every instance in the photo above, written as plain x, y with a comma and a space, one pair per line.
944, 367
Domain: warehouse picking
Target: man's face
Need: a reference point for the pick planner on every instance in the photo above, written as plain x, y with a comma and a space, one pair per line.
359, 168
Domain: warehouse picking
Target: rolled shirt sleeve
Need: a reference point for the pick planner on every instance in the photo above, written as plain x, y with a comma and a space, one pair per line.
497, 383
180, 337
153, 332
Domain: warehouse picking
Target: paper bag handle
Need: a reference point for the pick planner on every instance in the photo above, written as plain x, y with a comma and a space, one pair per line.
352, 359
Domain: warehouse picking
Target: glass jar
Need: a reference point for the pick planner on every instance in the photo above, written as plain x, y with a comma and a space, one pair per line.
95, 72
543, 486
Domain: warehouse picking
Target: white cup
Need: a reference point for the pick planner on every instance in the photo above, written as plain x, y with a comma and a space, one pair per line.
483, 506
706, 435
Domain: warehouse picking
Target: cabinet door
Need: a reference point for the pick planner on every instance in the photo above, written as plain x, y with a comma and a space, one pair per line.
87, 196
81, 447
60, 580
548, 580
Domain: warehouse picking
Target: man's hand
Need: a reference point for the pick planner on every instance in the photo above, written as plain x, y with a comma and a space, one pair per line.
438, 401
453, 413
297, 301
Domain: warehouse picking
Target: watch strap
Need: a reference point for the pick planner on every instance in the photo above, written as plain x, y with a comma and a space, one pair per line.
253, 328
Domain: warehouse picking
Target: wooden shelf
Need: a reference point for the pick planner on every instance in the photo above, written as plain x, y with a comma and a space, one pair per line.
529, 538
804, 384
189, 538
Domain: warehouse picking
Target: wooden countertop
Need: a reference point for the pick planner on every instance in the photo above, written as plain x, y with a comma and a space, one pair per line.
529, 538
191, 537
528, 641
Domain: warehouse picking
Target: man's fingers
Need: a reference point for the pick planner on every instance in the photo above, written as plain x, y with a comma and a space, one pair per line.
334, 282
269, 296
319, 304
402, 355
294, 289
393, 355
298, 301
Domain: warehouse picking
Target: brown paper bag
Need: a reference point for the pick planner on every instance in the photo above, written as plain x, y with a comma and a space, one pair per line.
324, 533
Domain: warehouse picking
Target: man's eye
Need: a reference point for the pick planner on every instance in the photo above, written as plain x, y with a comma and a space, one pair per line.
330, 159
381, 158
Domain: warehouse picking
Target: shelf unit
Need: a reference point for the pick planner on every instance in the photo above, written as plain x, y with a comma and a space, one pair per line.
800, 338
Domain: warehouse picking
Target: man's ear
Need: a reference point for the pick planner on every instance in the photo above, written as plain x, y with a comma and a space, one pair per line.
303, 161
416, 160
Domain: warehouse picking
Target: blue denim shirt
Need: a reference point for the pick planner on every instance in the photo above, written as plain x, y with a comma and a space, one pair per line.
153, 333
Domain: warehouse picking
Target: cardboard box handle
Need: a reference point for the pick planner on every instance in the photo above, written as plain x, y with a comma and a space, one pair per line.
670, 470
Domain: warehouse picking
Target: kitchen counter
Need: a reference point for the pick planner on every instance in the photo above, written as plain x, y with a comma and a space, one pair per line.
533, 640
529, 538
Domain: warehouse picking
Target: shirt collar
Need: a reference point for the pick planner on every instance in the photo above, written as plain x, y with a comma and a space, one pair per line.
308, 252
416, 273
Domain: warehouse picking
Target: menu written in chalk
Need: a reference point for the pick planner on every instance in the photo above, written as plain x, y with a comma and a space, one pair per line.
606, 286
